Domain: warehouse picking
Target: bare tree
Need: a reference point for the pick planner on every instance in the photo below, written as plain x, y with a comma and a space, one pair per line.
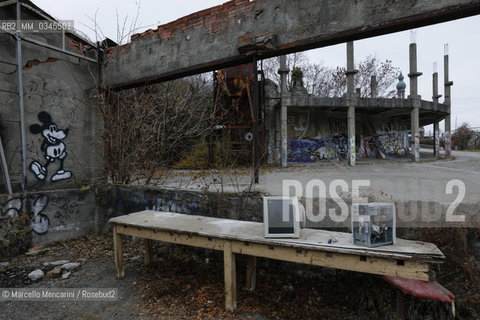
462, 136
324, 81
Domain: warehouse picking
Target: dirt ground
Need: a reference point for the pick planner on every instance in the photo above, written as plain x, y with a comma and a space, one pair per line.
185, 283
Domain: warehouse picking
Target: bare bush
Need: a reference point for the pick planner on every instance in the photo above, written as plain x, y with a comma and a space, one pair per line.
150, 128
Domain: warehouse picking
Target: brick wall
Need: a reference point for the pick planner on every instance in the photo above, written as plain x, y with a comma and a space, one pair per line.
216, 20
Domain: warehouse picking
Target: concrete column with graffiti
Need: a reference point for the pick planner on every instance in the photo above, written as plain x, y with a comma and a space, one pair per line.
283, 71
283, 120
351, 103
415, 98
436, 124
448, 102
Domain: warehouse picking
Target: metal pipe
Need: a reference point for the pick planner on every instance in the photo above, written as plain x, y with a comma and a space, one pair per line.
7, 3
256, 147
48, 46
21, 104
6, 176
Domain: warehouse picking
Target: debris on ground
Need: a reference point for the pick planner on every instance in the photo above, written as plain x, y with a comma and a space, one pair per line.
70, 266
55, 263
36, 252
186, 283
36, 274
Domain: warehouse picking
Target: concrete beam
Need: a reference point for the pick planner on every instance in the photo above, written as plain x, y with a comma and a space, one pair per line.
213, 38
310, 102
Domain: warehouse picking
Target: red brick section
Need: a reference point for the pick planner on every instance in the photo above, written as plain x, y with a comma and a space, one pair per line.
215, 20
75, 45
35, 62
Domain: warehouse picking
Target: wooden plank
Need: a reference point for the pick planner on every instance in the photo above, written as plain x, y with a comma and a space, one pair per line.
173, 237
253, 231
118, 252
251, 278
230, 277
371, 265
148, 251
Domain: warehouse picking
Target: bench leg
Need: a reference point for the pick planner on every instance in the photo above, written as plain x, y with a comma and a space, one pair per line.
251, 273
148, 251
230, 277
400, 305
118, 251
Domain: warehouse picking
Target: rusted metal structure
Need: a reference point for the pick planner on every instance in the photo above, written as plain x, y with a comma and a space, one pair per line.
234, 111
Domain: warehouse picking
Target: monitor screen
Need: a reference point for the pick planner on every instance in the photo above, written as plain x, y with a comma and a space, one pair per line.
281, 217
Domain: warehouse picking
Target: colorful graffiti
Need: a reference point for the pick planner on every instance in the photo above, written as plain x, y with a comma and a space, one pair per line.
393, 144
53, 148
307, 150
337, 148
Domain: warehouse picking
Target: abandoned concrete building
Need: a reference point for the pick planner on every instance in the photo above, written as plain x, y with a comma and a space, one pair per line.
319, 128
52, 155
53, 150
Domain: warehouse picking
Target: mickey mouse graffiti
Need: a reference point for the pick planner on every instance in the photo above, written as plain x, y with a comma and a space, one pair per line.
52, 147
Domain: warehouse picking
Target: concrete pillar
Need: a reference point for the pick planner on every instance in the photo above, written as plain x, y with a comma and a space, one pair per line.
278, 135
373, 87
351, 103
436, 138
283, 71
415, 114
415, 100
436, 124
414, 74
256, 136
283, 120
448, 102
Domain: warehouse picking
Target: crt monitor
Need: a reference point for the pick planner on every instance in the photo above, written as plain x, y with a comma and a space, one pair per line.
281, 217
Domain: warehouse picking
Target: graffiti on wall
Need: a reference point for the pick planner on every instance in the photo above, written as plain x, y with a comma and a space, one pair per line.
40, 222
309, 150
338, 147
53, 148
65, 211
13, 209
393, 144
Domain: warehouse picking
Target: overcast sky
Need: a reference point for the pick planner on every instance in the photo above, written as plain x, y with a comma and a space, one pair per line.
463, 37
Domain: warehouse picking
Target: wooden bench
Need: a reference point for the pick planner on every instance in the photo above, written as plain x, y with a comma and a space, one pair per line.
406, 259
